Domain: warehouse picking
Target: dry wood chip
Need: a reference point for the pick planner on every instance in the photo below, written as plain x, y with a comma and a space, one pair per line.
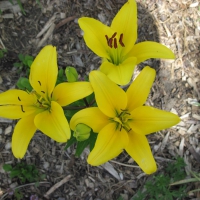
47, 25
164, 142
109, 168
64, 21
57, 185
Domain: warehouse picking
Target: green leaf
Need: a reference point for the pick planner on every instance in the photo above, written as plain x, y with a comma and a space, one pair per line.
21, 57
92, 139
29, 63
81, 146
18, 64
24, 84
7, 167
15, 172
71, 74
71, 141
21, 7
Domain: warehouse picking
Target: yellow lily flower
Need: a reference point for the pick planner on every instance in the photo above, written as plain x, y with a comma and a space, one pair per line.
121, 120
41, 109
116, 44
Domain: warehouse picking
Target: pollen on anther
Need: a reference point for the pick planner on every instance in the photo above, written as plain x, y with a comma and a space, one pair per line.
120, 40
110, 42
22, 108
115, 43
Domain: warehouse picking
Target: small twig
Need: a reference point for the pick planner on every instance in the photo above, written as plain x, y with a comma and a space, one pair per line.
64, 21
56, 186
133, 166
2, 44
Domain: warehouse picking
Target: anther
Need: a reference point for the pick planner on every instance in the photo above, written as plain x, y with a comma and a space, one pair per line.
110, 42
39, 83
22, 108
107, 39
43, 92
115, 43
39, 101
19, 99
120, 40
129, 129
113, 36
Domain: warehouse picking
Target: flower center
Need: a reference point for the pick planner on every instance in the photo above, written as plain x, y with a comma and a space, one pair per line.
122, 120
113, 40
41, 102
115, 53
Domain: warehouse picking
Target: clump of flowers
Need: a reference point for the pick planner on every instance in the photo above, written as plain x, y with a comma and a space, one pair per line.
113, 120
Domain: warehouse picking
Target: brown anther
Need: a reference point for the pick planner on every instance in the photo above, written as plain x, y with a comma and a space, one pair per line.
19, 99
120, 40
115, 43
107, 39
110, 42
113, 36
39, 83
22, 108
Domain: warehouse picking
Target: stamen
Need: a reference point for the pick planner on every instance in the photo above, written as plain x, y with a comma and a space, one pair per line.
39, 101
39, 83
115, 43
113, 36
22, 108
43, 92
107, 39
120, 40
129, 129
110, 42
19, 99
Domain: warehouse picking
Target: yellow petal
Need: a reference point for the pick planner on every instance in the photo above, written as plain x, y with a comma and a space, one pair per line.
23, 132
138, 91
95, 35
147, 119
109, 144
138, 148
125, 22
54, 123
18, 111
110, 98
16, 97
92, 117
120, 74
44, 71
66, 93
146, 50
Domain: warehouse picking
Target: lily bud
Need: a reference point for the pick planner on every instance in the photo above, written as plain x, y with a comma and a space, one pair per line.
71, 74
82, 132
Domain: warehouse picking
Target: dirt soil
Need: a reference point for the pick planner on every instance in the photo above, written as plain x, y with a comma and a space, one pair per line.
174, 23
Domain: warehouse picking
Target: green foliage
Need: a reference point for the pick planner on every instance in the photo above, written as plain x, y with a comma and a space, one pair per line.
82, 145
24, 84
25, 63
71, 74
23, 171
18, 194
61, 77
159, 187
2, 52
